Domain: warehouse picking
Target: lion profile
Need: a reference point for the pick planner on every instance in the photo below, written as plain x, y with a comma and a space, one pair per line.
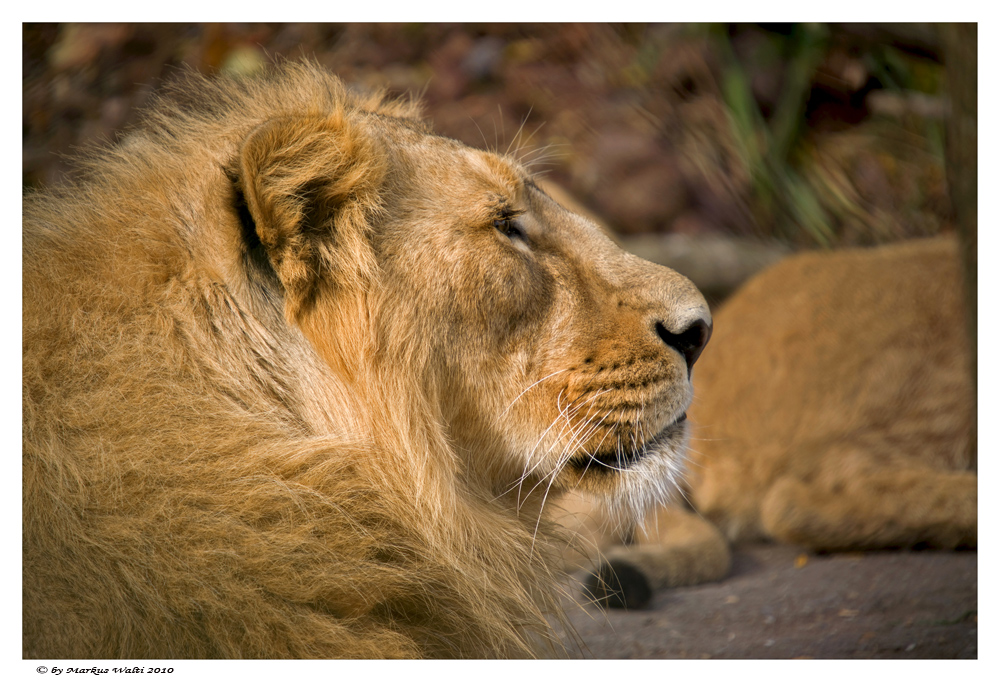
835, 412
299, 377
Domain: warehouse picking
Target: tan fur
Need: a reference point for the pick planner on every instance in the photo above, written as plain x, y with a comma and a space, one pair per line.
299, 377
833, 412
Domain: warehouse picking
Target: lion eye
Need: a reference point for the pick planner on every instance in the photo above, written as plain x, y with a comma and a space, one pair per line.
509, 227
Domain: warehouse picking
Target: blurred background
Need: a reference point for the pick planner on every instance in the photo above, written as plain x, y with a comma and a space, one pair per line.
711, 148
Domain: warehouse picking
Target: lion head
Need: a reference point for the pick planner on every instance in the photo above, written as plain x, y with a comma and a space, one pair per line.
548, 353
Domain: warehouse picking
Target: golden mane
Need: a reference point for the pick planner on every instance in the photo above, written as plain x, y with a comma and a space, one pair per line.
319, 545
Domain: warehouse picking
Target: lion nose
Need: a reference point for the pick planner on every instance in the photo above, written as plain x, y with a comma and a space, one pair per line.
689, 340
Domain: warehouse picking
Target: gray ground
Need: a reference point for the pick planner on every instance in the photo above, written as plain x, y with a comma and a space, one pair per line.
780, 602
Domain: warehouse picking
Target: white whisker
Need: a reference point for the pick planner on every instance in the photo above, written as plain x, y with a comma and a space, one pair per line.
518, 133
529, 388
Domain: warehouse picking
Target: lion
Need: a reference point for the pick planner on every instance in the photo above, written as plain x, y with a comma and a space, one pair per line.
299, 377
835, 412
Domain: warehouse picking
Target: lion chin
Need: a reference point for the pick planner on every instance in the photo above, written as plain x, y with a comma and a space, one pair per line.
300, 377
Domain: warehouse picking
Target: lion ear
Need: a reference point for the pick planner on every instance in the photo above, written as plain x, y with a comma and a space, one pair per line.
310, 185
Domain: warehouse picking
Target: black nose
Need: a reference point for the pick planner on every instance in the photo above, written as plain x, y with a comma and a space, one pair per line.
690, 342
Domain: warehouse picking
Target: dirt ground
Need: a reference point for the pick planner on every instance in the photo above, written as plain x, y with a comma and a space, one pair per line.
780, 603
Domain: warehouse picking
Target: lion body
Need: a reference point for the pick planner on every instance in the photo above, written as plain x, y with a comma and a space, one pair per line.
839, 411
834, 412
292, 372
